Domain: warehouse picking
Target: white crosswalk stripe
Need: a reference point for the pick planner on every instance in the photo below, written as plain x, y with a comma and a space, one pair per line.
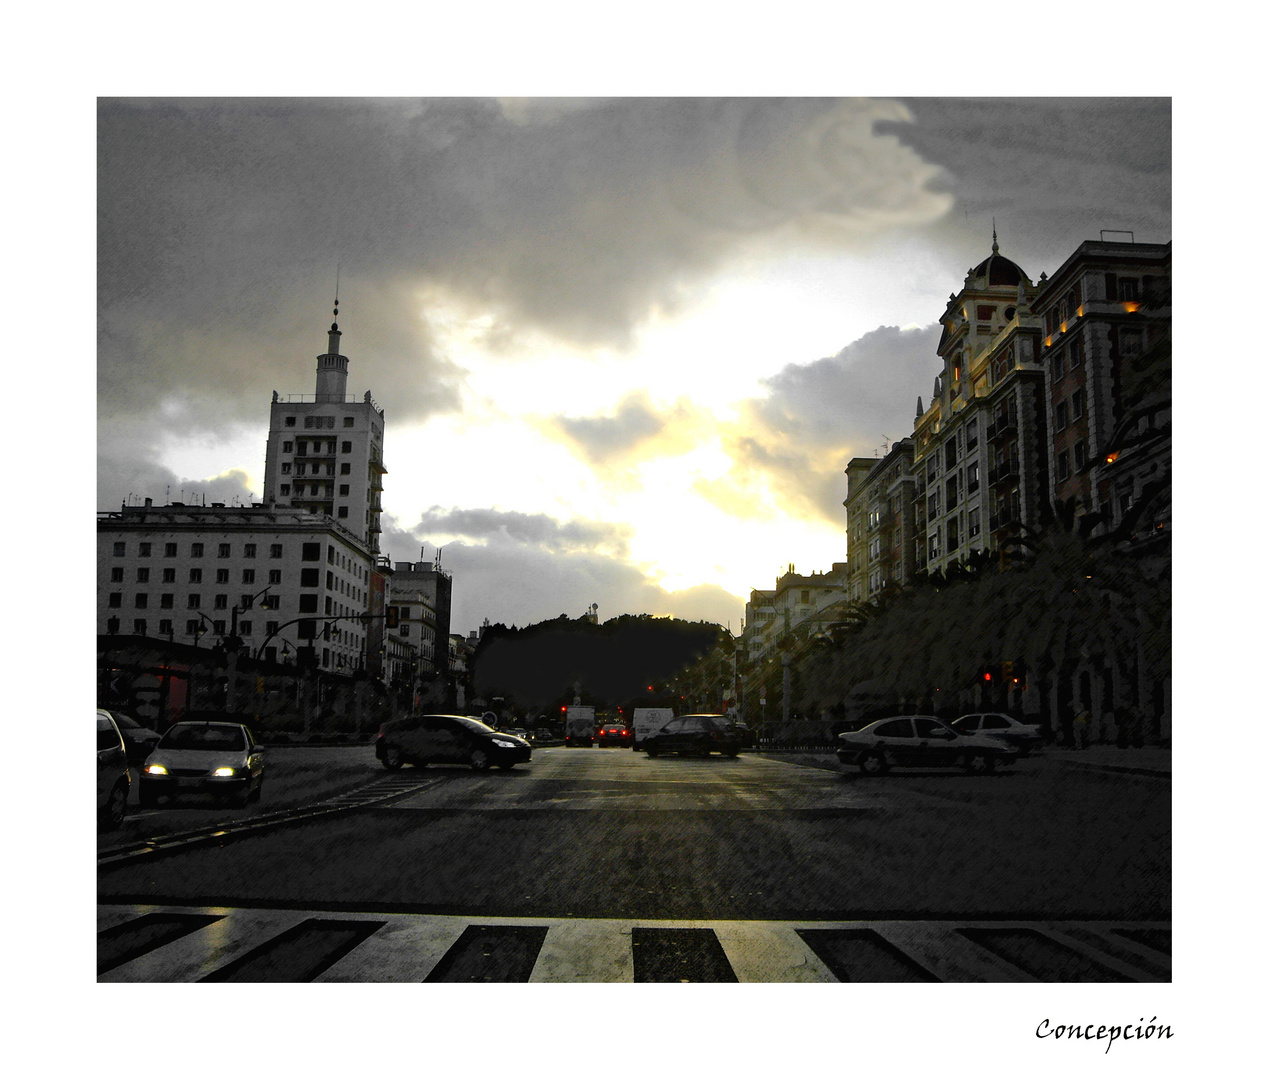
140, 943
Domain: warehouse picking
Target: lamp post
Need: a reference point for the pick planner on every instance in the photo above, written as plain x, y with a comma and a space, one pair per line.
232, 644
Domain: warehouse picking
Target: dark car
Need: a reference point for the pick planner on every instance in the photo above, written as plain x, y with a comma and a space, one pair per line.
614, 735
453, 740
697, 733
920, 741
113, 778
204, 757
1026, 737
139, 740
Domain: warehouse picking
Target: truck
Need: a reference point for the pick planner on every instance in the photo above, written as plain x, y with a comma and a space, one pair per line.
579, 725
647, 721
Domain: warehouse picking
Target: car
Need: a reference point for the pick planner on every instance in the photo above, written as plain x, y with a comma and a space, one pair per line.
219, 757
746, 734
921, 741
114, 780
138, 740
1026, 737
613, 735
695, 733
453, 740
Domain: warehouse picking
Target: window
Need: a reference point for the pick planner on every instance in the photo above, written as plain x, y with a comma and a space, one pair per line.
932, 505
195, 576
971, 434
244, 628
143, 550
1080, 451
933, 546
116, 600
165, 627
1077, 352
1128, 288
271, 627
121, 548
405, 631
166, 600
1077, 404
301, 448
953, 533
949, 452
218, 627
985, 312
116, 573
308, 602
138, 627
195, 600
288, 447
972, 523
275, 577
343, 489
169, 575
308, 577
286, 489
289, 421
345, 469
248, 577
1058, 364
169, 551
804, 596
286, 468
348, 421
222, 551
343, 512
1059, 415
193, 627
143, 574
952, 492
311, 552
221, 602
275, 551
346, 448
222, 577
971, 477
1063, 465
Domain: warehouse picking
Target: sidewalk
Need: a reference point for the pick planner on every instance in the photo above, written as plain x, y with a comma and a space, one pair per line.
1146, 760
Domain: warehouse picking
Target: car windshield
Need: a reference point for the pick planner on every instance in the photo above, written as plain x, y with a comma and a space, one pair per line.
204, 737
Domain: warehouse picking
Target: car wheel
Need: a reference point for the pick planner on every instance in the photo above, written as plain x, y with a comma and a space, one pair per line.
116, 808
652, 750
873, 763
391, 758
479, 760
980, 763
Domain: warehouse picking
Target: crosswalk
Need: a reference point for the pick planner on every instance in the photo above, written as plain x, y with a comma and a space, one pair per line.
144, 943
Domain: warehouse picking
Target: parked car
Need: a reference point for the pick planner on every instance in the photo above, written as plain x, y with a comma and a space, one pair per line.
614, 735
921, 741
138, 740
114, 781
204, 757
1026, 737
454, 740
696, 733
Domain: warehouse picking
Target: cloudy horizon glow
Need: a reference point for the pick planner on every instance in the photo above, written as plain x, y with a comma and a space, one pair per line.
625, 347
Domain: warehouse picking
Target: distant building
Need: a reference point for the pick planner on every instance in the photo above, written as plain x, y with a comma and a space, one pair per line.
325, 452
420, 599
797, 602
277, 576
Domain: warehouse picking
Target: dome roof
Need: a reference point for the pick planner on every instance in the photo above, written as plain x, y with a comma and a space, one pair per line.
997, 269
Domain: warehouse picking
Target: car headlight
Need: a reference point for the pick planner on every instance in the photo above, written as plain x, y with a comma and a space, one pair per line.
224, 770
506, 744
156, 770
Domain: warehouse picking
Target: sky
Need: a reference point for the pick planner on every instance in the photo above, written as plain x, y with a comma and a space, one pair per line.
625, 346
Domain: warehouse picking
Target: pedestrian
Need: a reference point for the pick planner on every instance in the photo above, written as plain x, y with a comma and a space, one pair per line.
1082, 721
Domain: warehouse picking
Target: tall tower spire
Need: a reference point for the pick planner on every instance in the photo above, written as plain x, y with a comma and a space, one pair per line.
332, 367
995, 247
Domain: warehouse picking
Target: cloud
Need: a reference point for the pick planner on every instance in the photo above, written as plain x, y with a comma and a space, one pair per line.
790, 448
519, 569
636, 429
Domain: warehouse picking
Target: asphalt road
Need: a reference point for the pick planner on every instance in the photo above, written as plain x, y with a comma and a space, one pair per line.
611, 834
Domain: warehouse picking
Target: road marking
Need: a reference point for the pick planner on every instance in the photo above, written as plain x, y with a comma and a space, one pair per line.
389, 947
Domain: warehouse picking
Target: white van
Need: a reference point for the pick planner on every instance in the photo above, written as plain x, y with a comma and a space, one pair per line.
648, 722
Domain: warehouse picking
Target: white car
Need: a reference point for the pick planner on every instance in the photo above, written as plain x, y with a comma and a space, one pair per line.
920, 741
208, 758
1026, 737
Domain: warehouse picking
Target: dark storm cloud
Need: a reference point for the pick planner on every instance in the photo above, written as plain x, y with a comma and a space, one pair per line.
1053, 172
220, 224
511, 570
790, 448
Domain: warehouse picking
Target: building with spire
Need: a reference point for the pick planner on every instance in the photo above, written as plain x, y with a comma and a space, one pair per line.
325, 451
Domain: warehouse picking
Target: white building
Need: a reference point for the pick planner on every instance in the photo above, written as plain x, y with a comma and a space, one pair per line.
325, 451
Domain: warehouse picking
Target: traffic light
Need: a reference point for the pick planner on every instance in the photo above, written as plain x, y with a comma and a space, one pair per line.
393, 617
1020, 673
